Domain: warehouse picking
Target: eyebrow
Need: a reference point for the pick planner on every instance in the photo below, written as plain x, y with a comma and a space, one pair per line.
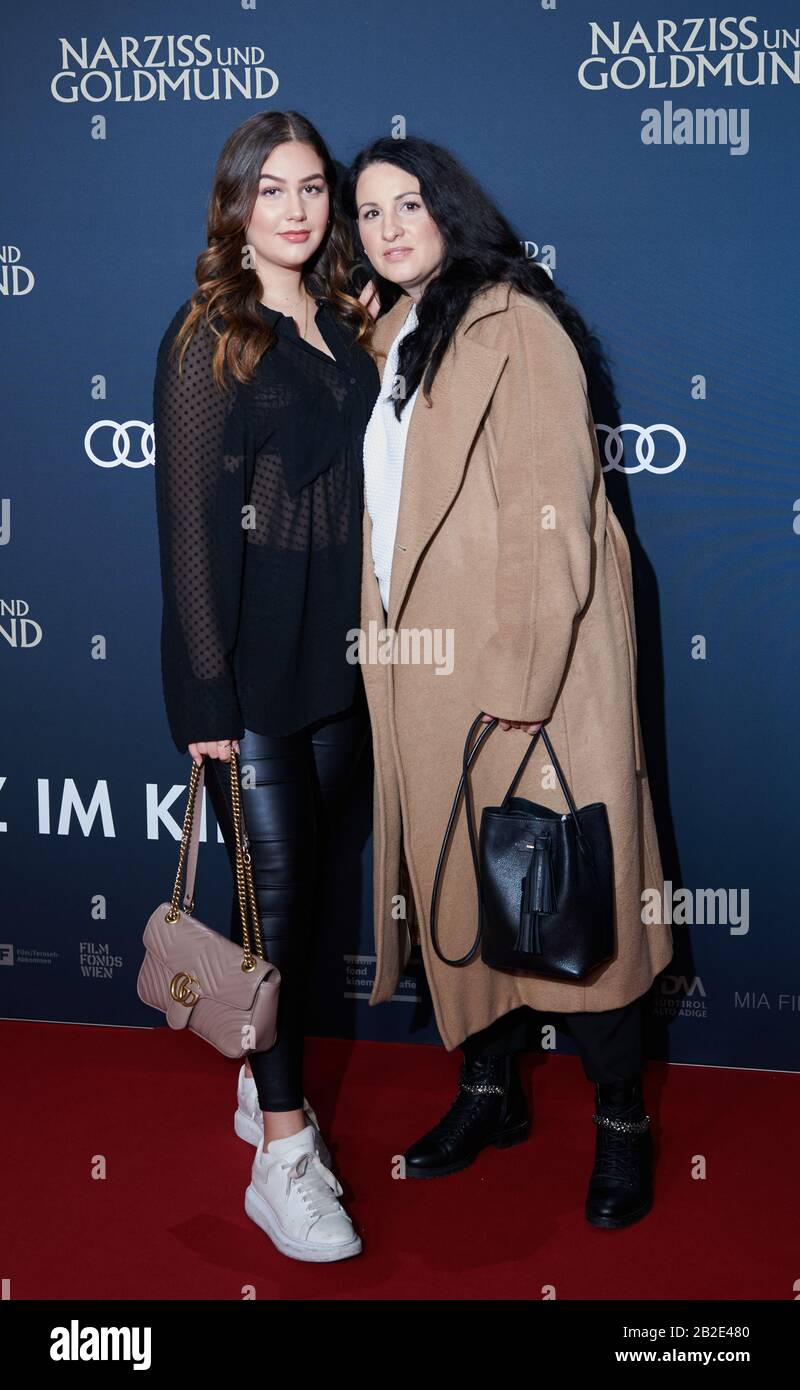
412, 192
276, 178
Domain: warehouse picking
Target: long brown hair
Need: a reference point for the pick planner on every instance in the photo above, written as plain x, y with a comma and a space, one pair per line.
229, 292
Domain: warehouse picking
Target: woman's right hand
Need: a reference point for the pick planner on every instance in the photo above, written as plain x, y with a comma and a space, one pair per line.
370, 299
218, 748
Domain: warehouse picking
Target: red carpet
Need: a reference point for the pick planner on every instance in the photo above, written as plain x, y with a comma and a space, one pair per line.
168, 1222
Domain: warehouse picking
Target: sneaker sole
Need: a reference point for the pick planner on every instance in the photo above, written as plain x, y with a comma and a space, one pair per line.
500, 1141
262, 1214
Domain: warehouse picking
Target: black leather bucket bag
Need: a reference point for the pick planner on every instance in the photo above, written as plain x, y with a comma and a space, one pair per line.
545, 878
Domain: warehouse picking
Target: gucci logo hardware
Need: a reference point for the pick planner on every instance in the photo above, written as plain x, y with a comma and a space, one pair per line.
180, 988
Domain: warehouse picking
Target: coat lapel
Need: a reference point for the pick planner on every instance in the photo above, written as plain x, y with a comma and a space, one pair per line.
439, 436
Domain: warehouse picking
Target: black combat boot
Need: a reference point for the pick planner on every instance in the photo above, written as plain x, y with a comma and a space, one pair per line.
620, 1188
489, 1108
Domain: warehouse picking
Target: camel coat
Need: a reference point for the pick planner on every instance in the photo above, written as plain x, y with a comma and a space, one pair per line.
505, 535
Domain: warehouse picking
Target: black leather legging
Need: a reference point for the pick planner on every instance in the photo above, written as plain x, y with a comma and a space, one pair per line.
299, 780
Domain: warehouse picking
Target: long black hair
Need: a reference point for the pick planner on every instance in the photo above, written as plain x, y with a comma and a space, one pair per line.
480, 248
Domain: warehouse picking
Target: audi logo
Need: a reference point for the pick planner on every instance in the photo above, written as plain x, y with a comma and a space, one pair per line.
645, 448
121, 444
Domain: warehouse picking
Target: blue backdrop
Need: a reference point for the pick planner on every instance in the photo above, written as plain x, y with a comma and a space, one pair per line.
650, 162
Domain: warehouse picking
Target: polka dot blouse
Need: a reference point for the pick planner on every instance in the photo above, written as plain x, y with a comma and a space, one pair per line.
259, 502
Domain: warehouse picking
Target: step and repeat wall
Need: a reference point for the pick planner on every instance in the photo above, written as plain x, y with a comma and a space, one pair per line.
649, 162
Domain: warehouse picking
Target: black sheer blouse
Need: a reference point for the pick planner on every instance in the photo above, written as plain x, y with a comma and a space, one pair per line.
259, 501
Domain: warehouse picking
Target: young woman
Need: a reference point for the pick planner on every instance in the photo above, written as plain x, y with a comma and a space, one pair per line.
262, 394
488, 519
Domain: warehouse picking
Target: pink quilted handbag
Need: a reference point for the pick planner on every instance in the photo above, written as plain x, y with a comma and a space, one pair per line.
199, 977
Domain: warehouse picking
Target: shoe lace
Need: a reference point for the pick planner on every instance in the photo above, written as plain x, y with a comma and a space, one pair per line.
315, 1184
616, 1154
460, 1117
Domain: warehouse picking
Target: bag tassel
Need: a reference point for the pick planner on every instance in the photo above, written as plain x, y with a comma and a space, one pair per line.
538, 896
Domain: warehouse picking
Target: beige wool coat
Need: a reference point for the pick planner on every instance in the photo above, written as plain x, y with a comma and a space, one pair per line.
505, 535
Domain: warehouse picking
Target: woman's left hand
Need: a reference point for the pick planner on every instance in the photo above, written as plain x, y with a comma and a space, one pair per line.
512, 723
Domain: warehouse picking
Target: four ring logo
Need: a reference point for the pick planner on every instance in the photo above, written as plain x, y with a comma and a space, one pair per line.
645, 449
121, 444
613, 447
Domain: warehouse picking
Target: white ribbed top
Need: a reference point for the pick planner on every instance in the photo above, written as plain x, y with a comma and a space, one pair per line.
384, 453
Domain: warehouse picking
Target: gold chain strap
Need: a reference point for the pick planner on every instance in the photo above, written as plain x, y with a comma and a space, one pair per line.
244, 872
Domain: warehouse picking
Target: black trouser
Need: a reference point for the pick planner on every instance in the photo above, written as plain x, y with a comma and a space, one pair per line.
609, 1042
299, 779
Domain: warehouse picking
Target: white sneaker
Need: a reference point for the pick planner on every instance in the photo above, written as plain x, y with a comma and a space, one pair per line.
294, 1197
248, 1120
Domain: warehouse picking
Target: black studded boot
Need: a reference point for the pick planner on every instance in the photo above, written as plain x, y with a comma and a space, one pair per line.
489, 1108
621, 1185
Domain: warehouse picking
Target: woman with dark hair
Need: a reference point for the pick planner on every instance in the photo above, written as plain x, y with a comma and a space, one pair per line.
262, 393
488, 521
